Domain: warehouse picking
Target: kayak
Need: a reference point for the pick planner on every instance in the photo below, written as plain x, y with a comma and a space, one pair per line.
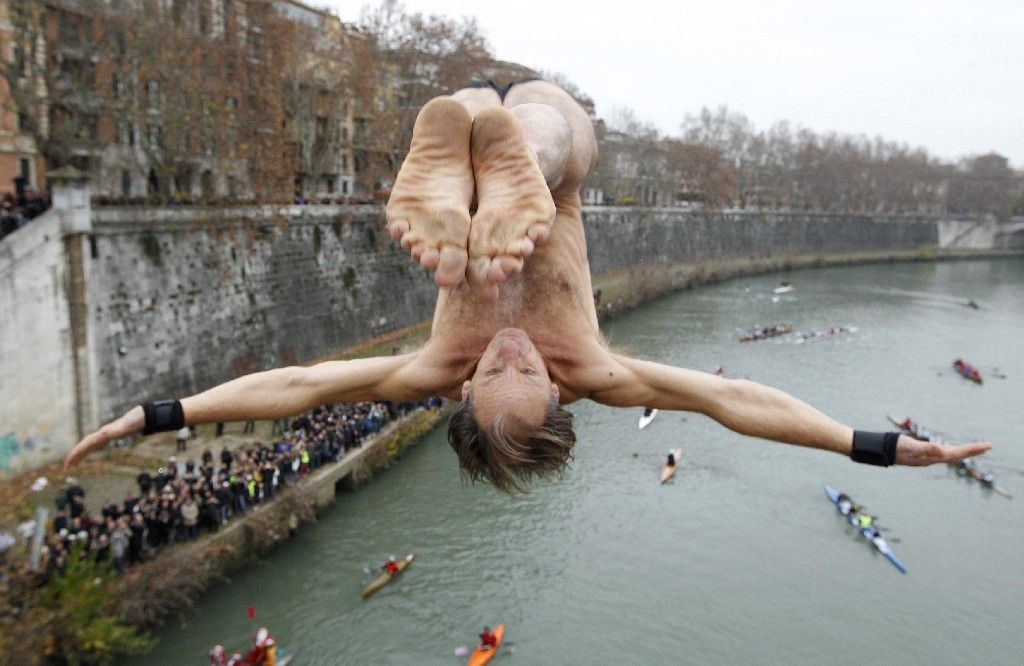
765, 333
668, 470
967, 371
647, 417
481, 654
385, 578
878, 542
784, 289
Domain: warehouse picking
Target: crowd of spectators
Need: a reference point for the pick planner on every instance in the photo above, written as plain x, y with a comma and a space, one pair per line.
17, 210
185, 497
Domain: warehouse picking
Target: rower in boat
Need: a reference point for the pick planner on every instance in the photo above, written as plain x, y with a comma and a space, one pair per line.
488, 639
846, 505
264, 653
967, 370
391, 566
671, 462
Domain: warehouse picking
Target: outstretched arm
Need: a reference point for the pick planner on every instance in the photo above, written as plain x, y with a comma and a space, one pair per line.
753, 409
283, 392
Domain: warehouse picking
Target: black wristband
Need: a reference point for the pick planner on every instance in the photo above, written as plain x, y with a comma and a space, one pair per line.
163, 416
874, 448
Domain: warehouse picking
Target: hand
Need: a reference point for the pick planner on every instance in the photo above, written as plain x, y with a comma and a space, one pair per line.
917, 453
131, 423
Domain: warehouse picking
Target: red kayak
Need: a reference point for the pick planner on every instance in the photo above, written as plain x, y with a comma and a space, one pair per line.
967, 370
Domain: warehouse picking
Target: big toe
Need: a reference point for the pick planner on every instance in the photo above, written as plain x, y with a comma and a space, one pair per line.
451, 266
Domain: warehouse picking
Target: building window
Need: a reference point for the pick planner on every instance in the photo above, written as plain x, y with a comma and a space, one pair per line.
126, 183
25, 165
344, 187
153, 133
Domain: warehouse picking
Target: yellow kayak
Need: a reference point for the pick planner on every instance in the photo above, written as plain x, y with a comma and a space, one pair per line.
668, 470
385, 578
481, 654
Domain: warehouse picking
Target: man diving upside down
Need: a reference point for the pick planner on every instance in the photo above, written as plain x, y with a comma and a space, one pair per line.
488, 199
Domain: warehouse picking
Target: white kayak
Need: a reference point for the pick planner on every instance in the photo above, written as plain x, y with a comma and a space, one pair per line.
647, 417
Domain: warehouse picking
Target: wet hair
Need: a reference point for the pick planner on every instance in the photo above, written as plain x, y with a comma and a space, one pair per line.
509, 452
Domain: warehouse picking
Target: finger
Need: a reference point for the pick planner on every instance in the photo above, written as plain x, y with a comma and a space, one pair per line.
88, 444
952, 454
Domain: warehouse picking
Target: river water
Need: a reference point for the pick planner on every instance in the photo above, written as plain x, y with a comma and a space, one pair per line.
740, 558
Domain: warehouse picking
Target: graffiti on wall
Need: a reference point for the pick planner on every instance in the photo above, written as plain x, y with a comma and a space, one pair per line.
8, 449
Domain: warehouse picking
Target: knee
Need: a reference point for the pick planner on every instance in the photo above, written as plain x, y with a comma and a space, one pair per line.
477, 99
548, 135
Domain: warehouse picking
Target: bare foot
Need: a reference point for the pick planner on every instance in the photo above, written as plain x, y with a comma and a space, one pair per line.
514, 209
429, 206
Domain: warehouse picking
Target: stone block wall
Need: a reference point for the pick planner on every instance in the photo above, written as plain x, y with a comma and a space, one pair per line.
37, 394
177, 300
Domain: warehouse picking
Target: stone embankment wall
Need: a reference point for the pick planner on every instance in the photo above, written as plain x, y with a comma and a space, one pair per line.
143, 304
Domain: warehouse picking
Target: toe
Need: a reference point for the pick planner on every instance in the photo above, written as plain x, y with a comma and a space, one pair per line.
477, 272
398, 228
538, 233
430, 258
504, 266
451, 267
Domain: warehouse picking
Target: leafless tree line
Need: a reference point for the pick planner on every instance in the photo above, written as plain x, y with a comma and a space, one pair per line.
240, 99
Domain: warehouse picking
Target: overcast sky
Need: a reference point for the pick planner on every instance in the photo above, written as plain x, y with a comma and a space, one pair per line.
947, 76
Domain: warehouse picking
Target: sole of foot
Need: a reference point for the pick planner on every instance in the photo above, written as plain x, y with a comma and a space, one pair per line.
428, 211
514, 211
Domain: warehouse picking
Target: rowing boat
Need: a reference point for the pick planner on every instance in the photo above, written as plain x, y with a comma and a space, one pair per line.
835, 331
963, 468
784, 288
385, 578
912, 429
647, 417
482, 654
876, 540
979, 476
668, 470
765, 333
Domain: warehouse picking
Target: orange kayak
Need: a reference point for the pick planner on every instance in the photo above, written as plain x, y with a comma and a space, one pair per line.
668, 470
481, 655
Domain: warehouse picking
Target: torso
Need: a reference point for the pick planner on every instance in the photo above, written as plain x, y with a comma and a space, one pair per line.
552, 300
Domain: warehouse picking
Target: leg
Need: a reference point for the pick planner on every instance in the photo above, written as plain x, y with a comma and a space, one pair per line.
581, 153
525, 161
429, 206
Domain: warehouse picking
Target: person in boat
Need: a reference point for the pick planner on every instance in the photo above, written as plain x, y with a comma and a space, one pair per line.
671, 462
720, 372
218, 655
264, 652
488, 639
844, 503
648, 411
865, 521
391, 566
488, 198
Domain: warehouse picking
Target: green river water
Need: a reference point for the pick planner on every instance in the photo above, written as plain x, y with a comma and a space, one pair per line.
740, 558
